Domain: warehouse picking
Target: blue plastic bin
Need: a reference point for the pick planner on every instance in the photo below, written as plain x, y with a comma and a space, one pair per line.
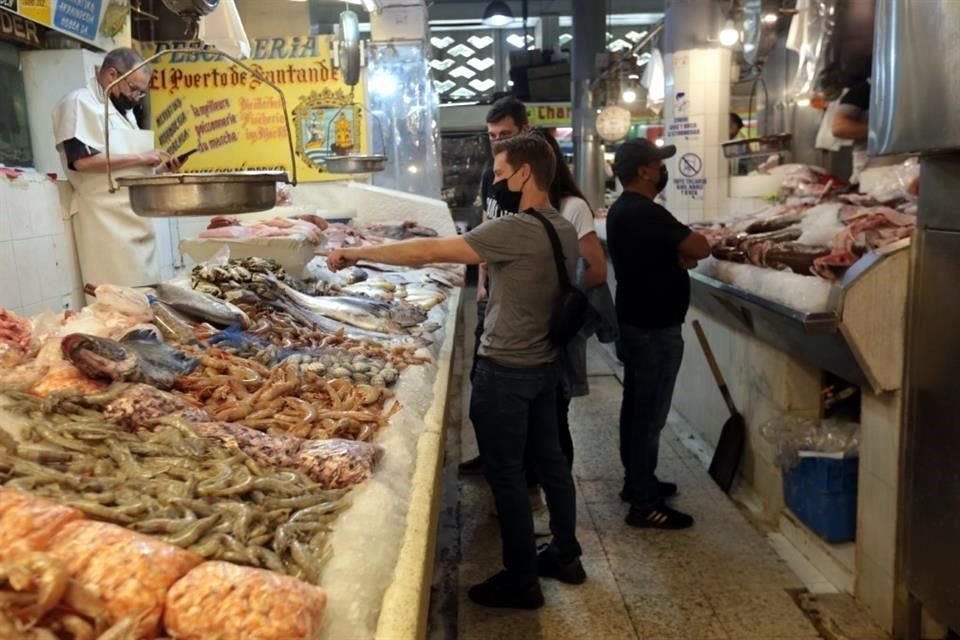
822, 493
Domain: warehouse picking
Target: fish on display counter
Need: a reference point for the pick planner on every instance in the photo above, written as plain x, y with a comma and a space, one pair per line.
201, 306
139, 357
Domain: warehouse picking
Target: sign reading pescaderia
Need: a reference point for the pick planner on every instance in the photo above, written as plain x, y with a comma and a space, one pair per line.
96, 22
236, 121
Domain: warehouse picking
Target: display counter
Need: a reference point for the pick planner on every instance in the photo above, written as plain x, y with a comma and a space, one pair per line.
375, 569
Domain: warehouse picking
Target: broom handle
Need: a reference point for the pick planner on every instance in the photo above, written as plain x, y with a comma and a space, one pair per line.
714, 368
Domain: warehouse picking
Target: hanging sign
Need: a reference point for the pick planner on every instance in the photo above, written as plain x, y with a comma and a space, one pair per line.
236, 121
96, 22
17, 29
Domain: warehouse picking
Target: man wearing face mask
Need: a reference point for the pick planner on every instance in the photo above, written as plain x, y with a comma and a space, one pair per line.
651, 252
517, 374
114, 244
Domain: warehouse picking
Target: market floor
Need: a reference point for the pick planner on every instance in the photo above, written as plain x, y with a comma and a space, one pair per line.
720, 580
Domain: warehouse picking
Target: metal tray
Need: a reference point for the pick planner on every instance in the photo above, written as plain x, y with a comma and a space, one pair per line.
203, 194
355, 163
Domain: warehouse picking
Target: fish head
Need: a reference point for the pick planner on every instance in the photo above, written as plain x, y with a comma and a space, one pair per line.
98, 357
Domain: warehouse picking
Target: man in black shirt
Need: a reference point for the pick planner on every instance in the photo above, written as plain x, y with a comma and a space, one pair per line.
852, 123
651, 252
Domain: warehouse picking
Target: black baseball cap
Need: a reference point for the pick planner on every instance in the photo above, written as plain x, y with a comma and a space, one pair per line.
633, 154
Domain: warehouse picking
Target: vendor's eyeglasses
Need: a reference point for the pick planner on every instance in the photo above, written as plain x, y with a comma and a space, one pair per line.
135, 91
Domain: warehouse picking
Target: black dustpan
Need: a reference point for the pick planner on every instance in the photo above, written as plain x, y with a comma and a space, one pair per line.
726, 458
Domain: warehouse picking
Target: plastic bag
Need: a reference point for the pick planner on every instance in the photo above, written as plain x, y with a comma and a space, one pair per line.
28, 523
221, 600
892, 184
792, 434
130, 572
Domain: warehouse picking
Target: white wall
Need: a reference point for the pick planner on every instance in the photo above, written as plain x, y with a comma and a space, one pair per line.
38, 265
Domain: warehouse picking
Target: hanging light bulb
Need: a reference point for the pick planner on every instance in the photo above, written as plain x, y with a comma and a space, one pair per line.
498, 14
729, 35
769, 18
629, 96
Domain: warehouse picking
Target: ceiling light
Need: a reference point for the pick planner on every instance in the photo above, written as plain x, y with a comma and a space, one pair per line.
498, 14
803, 102
769, 18
629, 96
729, 35
659, 142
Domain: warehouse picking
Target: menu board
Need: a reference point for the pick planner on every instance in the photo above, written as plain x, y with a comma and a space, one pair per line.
96, 22
236, 121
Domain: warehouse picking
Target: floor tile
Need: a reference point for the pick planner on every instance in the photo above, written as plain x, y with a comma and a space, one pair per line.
669, 616
591, 610
769, 615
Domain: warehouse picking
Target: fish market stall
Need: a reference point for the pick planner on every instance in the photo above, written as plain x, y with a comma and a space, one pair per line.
803, 302
241, 422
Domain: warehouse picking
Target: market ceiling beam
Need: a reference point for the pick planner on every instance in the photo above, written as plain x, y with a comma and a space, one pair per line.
324, 13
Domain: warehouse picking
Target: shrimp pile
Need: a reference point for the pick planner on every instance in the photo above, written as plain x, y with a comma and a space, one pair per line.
285, 400
40, 601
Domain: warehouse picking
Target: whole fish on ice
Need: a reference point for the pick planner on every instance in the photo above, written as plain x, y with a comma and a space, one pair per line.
201, 306
139, 357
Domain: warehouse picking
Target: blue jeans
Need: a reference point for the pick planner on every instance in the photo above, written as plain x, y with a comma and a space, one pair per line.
505, 405
651, 360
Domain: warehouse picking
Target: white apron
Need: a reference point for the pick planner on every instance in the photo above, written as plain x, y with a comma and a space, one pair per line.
115, 246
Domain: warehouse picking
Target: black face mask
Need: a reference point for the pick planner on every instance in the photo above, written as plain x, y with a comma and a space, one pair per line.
506, 199
664, 178
123, 102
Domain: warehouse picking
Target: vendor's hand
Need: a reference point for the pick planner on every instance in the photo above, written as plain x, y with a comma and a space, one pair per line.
154, 158
341, 259
481, 292
172, 165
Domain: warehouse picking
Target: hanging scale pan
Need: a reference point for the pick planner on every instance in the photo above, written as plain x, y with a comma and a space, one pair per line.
189, 194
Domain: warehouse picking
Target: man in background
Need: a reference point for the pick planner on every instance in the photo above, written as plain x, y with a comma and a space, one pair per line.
736, 125
651, 252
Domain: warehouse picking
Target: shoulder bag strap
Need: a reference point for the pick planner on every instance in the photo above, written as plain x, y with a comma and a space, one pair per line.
558, 256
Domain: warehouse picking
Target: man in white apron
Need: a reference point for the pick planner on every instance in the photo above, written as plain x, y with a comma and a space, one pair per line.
115, 245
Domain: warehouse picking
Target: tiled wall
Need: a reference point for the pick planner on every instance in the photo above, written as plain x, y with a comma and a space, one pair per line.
38, 267
39, 270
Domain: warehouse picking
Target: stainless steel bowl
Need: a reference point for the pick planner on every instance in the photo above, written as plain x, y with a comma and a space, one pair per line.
203, 194
355, 163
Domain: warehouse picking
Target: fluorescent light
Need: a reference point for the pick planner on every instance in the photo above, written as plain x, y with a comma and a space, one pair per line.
413, 168
770, 18
629, 96
497, 14
729, 35
659, 142
803, 102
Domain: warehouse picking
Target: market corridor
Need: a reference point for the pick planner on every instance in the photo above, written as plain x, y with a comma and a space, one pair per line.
720, 580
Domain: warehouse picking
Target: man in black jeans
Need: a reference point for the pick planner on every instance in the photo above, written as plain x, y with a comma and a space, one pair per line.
516, 377
651, 252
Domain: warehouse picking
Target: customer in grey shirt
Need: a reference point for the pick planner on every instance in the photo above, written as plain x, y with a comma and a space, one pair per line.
516, 378
520, 260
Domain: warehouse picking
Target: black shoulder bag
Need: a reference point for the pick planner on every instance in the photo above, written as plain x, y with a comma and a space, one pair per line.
570, 309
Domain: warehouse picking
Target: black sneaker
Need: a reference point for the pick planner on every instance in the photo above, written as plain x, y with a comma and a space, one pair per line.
659, 517
473, 466
666, 490
504, 591
549, 565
